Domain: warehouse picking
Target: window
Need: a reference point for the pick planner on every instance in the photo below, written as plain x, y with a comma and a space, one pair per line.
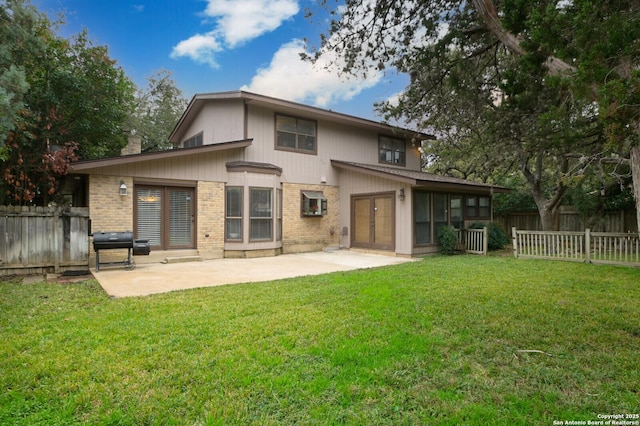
456, 212
314, 203
392, 150
440, 211
295, 134
422, 217
279, 215
233, 213
484, 207
478, 207
193, 141
261, 214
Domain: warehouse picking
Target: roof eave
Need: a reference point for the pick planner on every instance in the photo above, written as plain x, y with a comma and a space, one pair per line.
159, 155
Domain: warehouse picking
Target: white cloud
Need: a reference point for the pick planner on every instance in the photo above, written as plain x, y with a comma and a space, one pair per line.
235, 22
289, 77
240, 21
200, 48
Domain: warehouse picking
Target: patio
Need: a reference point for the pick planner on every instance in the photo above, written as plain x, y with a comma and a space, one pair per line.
154, 278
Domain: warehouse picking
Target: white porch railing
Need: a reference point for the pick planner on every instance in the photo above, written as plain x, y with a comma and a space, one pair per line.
474, 241
587, 246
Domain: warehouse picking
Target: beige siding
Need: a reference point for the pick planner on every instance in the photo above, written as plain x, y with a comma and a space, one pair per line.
335, 142
219, 122
207, 167
352, 183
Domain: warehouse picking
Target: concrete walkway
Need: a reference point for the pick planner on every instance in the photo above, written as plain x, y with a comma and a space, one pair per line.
153, 278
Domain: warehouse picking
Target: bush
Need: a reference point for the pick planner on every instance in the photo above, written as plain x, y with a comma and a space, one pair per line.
447, 239
498, 238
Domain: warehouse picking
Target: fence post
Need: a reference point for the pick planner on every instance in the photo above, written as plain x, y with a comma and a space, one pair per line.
485, 240
514, 235
587, 245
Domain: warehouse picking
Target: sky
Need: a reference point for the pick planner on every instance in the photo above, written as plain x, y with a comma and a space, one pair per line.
223, 45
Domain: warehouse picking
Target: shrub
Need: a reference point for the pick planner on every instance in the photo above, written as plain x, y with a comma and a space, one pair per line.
447, 239
498, 238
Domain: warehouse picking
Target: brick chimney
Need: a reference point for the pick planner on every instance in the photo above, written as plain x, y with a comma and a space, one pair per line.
134, 145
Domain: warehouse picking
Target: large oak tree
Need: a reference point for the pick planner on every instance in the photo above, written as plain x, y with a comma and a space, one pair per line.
545, 87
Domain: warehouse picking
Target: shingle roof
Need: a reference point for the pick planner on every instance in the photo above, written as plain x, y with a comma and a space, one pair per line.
419, 178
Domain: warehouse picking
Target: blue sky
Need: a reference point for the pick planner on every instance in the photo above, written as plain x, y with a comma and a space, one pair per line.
222, 45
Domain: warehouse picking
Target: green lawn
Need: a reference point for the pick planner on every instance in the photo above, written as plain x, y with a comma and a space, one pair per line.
447, 340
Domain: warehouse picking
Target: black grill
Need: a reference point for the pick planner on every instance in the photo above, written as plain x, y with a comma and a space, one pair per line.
119, 240
112, 240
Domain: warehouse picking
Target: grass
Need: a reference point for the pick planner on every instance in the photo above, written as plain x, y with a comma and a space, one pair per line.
447, 340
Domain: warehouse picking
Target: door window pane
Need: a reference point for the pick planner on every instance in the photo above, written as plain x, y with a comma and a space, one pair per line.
149, 205
383, 213
180, 217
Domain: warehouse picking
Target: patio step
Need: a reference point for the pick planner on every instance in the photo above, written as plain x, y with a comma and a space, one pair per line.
182, 259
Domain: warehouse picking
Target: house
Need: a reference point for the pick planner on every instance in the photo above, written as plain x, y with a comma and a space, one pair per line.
252, 175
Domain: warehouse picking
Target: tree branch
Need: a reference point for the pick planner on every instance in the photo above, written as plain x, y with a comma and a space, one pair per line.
489, 15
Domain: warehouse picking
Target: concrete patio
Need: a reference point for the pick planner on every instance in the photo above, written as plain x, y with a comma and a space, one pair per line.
154, 278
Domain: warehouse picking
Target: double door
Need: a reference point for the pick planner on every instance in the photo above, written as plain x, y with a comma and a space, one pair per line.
165, 216
373, 221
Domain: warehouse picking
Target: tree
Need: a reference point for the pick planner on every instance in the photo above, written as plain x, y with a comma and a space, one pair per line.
544, 82
158, 109
74, 103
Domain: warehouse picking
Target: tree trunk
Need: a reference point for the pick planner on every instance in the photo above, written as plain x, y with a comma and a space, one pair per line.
635, 173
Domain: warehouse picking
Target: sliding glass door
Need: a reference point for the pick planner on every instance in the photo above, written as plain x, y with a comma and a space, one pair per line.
165, 216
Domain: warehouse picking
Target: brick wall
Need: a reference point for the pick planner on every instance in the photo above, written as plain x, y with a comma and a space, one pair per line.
302, 234
110, 211
210, 238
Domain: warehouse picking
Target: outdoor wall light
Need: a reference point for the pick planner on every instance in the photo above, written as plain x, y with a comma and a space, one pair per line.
123, 188
401, 194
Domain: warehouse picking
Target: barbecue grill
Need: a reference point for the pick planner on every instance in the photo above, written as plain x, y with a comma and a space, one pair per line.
119, 240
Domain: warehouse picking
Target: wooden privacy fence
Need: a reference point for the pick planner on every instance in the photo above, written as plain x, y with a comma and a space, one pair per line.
475, 241
587, 246
37, 240
569, 219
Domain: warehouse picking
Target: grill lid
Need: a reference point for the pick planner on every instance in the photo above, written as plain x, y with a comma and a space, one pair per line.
112, 240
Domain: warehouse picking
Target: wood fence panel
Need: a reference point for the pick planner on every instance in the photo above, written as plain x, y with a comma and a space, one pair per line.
42, 239
570, 220
586, 246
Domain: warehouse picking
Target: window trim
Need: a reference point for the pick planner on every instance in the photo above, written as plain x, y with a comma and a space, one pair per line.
393, 139
296, 149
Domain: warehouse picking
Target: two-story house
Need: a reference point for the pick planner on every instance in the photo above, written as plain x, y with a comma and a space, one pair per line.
251, 175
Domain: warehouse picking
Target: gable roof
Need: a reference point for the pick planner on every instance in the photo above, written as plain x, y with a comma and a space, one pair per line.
158, 155
417, 178
199, 100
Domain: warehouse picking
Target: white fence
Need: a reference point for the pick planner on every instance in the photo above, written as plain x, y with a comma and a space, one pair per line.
36, 240
475, 241
587, 246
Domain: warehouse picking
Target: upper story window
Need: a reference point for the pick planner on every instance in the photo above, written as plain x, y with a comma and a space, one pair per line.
296, 134
193, 141
392, 151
